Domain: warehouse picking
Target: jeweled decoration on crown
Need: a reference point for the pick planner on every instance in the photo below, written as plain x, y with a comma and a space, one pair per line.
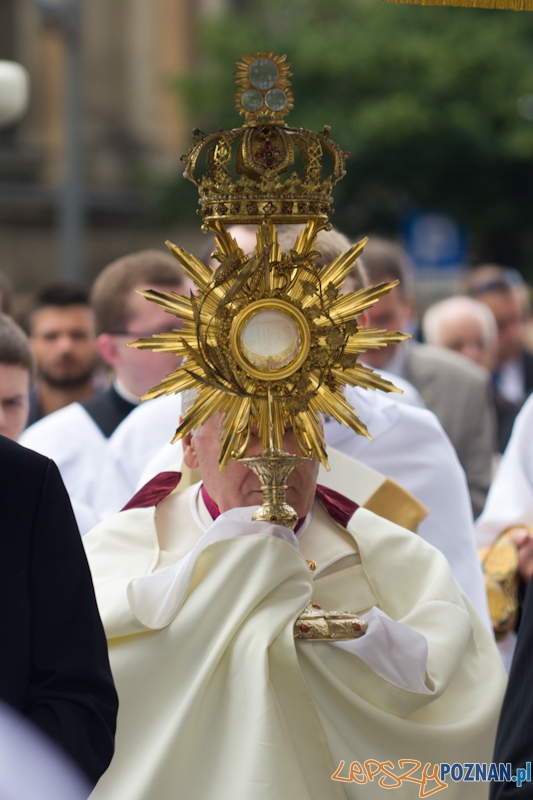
268, 339
248, 175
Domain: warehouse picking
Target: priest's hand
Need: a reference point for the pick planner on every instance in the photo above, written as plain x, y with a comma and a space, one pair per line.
522, 537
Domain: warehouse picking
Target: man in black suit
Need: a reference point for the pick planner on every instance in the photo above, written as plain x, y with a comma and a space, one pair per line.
54, 667
513, 741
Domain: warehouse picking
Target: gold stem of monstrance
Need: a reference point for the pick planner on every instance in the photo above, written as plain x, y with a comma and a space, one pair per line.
273, 467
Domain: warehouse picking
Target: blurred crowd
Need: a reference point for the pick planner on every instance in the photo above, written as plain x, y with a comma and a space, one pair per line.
69, 382
71, 389
469, 361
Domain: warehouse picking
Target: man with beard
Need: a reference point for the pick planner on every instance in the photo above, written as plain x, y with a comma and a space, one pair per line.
63, 340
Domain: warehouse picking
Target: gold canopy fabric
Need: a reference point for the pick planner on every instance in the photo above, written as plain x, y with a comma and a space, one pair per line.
508, 5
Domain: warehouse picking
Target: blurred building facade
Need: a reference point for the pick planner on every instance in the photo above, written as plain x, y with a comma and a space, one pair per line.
133, 126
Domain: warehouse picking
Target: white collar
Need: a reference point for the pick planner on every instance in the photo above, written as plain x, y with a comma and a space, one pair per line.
203, 518
121, 390
398, 363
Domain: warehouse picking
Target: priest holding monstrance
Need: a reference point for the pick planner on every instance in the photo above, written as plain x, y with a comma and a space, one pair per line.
268, 638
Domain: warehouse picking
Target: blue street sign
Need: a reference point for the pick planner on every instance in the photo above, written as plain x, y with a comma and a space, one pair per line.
434, 240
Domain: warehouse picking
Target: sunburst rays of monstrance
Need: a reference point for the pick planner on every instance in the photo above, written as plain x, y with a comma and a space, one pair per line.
268, 339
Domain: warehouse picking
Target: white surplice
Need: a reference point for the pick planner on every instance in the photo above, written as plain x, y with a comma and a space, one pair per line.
72, 439
130, 447
510, 498
411, 447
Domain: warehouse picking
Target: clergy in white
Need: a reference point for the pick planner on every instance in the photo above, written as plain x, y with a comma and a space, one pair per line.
130, 448
509, 506
408, 446
73, 440
218, 700
510, 499
76, 437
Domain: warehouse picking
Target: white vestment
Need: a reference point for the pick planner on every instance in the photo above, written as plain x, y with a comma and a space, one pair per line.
409, 394
217, 699
510, 498
72, 439
409, 446
130, 447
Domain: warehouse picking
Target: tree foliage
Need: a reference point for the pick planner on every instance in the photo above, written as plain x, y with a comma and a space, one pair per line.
424, 98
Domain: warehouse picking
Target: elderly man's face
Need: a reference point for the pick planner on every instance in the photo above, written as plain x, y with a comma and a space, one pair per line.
464, 334
237, 486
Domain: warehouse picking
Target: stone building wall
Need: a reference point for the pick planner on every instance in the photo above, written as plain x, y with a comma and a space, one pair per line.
133, 127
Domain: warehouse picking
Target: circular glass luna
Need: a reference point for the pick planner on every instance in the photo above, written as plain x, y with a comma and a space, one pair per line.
276, 100
263, 73
251, 100
270, 340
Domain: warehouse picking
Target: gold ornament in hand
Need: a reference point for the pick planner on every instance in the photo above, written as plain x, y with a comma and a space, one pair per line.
500, 571
319, 625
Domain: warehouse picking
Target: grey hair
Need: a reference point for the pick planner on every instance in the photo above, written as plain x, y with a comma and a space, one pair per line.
188, 398
453, 307
385, 260
331, 244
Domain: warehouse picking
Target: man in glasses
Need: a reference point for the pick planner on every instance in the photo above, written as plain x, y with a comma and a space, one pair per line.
122, 316
76, 437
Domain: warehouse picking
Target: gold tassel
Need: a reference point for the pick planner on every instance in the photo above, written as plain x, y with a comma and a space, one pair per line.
508, 5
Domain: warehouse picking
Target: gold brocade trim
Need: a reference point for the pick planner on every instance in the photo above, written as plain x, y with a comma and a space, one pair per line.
505, 5
517, 526
393, 502
500, 571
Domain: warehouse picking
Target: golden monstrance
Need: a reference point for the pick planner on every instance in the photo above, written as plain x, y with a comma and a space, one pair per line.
268, 339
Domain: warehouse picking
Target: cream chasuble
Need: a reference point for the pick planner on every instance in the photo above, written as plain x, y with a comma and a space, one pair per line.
218, 701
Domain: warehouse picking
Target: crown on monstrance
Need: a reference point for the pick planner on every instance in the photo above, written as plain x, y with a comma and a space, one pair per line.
250, 172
